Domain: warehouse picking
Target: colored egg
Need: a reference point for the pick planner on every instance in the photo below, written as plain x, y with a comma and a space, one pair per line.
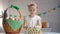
10, 18
19, 17
13, 19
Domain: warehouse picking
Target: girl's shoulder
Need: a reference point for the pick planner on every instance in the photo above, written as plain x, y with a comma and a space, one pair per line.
38, 17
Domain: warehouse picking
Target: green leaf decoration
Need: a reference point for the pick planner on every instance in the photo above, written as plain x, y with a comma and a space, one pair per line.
54, 9
13, 6
39, 14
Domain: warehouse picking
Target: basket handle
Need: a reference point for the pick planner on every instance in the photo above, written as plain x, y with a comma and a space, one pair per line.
20, 13
1, 16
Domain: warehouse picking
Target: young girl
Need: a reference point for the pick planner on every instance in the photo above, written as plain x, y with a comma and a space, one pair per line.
32, 20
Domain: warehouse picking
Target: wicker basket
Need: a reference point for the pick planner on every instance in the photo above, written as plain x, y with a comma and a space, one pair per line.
33, 31
12, 26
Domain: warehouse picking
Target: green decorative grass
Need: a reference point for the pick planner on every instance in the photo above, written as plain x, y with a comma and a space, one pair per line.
14, 24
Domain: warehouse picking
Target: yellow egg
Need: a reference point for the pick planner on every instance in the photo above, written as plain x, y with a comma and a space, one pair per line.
19, 17
13, 19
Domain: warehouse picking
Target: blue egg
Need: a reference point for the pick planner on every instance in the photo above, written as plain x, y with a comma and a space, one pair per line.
15, 16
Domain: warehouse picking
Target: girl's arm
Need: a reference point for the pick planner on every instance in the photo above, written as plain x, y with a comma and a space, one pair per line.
39, 25
25, 23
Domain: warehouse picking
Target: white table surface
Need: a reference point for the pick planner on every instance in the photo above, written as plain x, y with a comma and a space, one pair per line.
23, 32
42, 33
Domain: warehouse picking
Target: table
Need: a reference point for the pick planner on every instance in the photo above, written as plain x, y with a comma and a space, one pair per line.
42, 33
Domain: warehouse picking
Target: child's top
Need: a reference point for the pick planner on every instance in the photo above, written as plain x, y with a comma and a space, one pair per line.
32, 21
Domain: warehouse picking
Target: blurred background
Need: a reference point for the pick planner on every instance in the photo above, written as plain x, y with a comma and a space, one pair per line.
49, 10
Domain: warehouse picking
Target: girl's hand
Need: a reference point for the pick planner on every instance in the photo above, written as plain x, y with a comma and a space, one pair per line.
37, 26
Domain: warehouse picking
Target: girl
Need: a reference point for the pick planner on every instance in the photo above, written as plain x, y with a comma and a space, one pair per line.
32, 20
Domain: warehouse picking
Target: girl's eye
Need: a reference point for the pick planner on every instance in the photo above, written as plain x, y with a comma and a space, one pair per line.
30, 10
33, 10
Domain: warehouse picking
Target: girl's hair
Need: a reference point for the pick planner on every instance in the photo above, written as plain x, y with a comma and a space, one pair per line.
32, 4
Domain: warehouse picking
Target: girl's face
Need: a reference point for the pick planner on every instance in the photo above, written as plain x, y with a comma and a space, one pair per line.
32, 9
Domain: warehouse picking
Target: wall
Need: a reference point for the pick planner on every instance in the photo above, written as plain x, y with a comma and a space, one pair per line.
3, 5
1, 8
43, 5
